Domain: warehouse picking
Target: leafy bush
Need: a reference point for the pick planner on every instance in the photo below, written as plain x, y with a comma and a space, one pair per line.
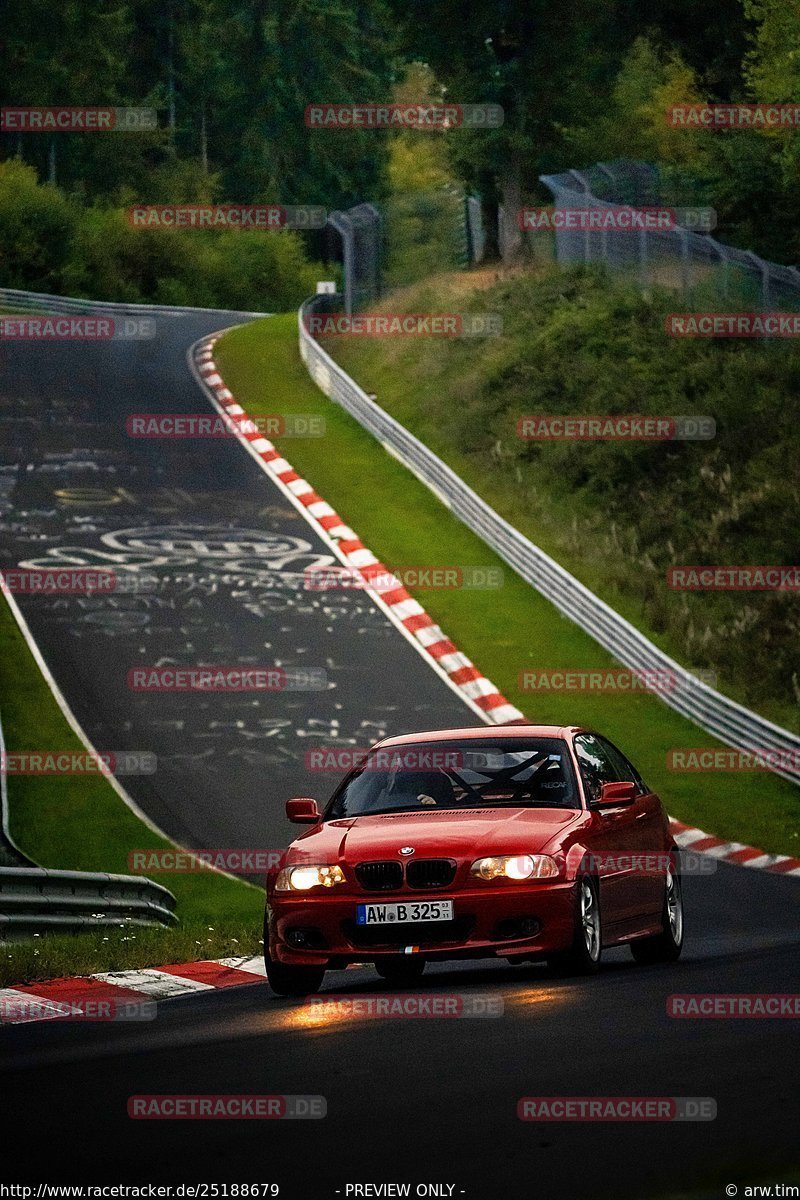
36, 227
50, 243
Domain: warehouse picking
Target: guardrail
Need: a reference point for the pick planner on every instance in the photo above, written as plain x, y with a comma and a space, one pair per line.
732, 723
35, 898
41, 302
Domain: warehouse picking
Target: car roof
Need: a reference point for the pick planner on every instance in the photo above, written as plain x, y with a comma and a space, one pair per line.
515, 730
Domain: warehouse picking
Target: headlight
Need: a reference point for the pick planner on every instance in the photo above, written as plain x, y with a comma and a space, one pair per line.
302, 879
516, 866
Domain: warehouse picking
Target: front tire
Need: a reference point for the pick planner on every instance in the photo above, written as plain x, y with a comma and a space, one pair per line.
667, 945
401, 972
294, 981
583, 956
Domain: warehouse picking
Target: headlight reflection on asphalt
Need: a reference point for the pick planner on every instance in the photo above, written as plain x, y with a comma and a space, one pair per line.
531, 995
316, 1017
324, 1015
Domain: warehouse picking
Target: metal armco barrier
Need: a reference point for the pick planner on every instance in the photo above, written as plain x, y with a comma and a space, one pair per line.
33, 899
732, 723
40, 303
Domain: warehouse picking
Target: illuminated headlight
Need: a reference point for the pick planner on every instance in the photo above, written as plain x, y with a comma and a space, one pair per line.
516, 866
303, 879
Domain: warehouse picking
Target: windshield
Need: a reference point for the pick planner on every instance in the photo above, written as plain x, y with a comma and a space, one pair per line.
534, 772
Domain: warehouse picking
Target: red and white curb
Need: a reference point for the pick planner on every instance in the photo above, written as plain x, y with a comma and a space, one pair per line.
107, 992
689, 838
401, 607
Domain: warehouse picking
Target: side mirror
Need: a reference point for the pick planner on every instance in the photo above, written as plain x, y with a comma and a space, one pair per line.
614, 794
302, 811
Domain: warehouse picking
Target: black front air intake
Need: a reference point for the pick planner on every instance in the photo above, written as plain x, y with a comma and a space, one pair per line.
380, 876
430, 872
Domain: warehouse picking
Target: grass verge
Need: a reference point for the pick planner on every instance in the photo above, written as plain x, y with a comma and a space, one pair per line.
126, 948
505, 631
80, 823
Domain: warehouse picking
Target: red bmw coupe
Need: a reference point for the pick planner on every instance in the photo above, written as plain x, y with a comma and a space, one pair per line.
519, 842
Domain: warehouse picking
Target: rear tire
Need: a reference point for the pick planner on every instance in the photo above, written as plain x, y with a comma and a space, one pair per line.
583, 956
667, 945
401, 972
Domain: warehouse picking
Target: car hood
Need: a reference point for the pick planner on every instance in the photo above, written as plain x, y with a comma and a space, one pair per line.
445, 834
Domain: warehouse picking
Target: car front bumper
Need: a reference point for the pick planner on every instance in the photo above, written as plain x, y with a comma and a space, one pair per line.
504, 921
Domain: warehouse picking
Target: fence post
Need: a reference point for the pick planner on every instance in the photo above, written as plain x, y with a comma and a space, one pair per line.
684, 236
763, 269
377, 248
643, 258
726, 261
344, 227
587, 191
468, 249
796, 276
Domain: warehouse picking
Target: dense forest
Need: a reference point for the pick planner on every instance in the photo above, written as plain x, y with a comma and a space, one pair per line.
578, 82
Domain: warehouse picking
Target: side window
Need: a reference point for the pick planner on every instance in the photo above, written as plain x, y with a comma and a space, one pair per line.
595, 764
624, 769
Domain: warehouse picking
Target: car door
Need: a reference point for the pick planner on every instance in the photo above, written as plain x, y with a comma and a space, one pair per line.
647, 834
609, 840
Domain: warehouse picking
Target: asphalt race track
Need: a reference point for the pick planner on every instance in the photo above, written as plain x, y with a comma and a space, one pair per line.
435, 1099
419, 1101
213, 558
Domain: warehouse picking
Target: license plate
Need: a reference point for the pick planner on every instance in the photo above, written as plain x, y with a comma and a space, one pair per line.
397, 914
